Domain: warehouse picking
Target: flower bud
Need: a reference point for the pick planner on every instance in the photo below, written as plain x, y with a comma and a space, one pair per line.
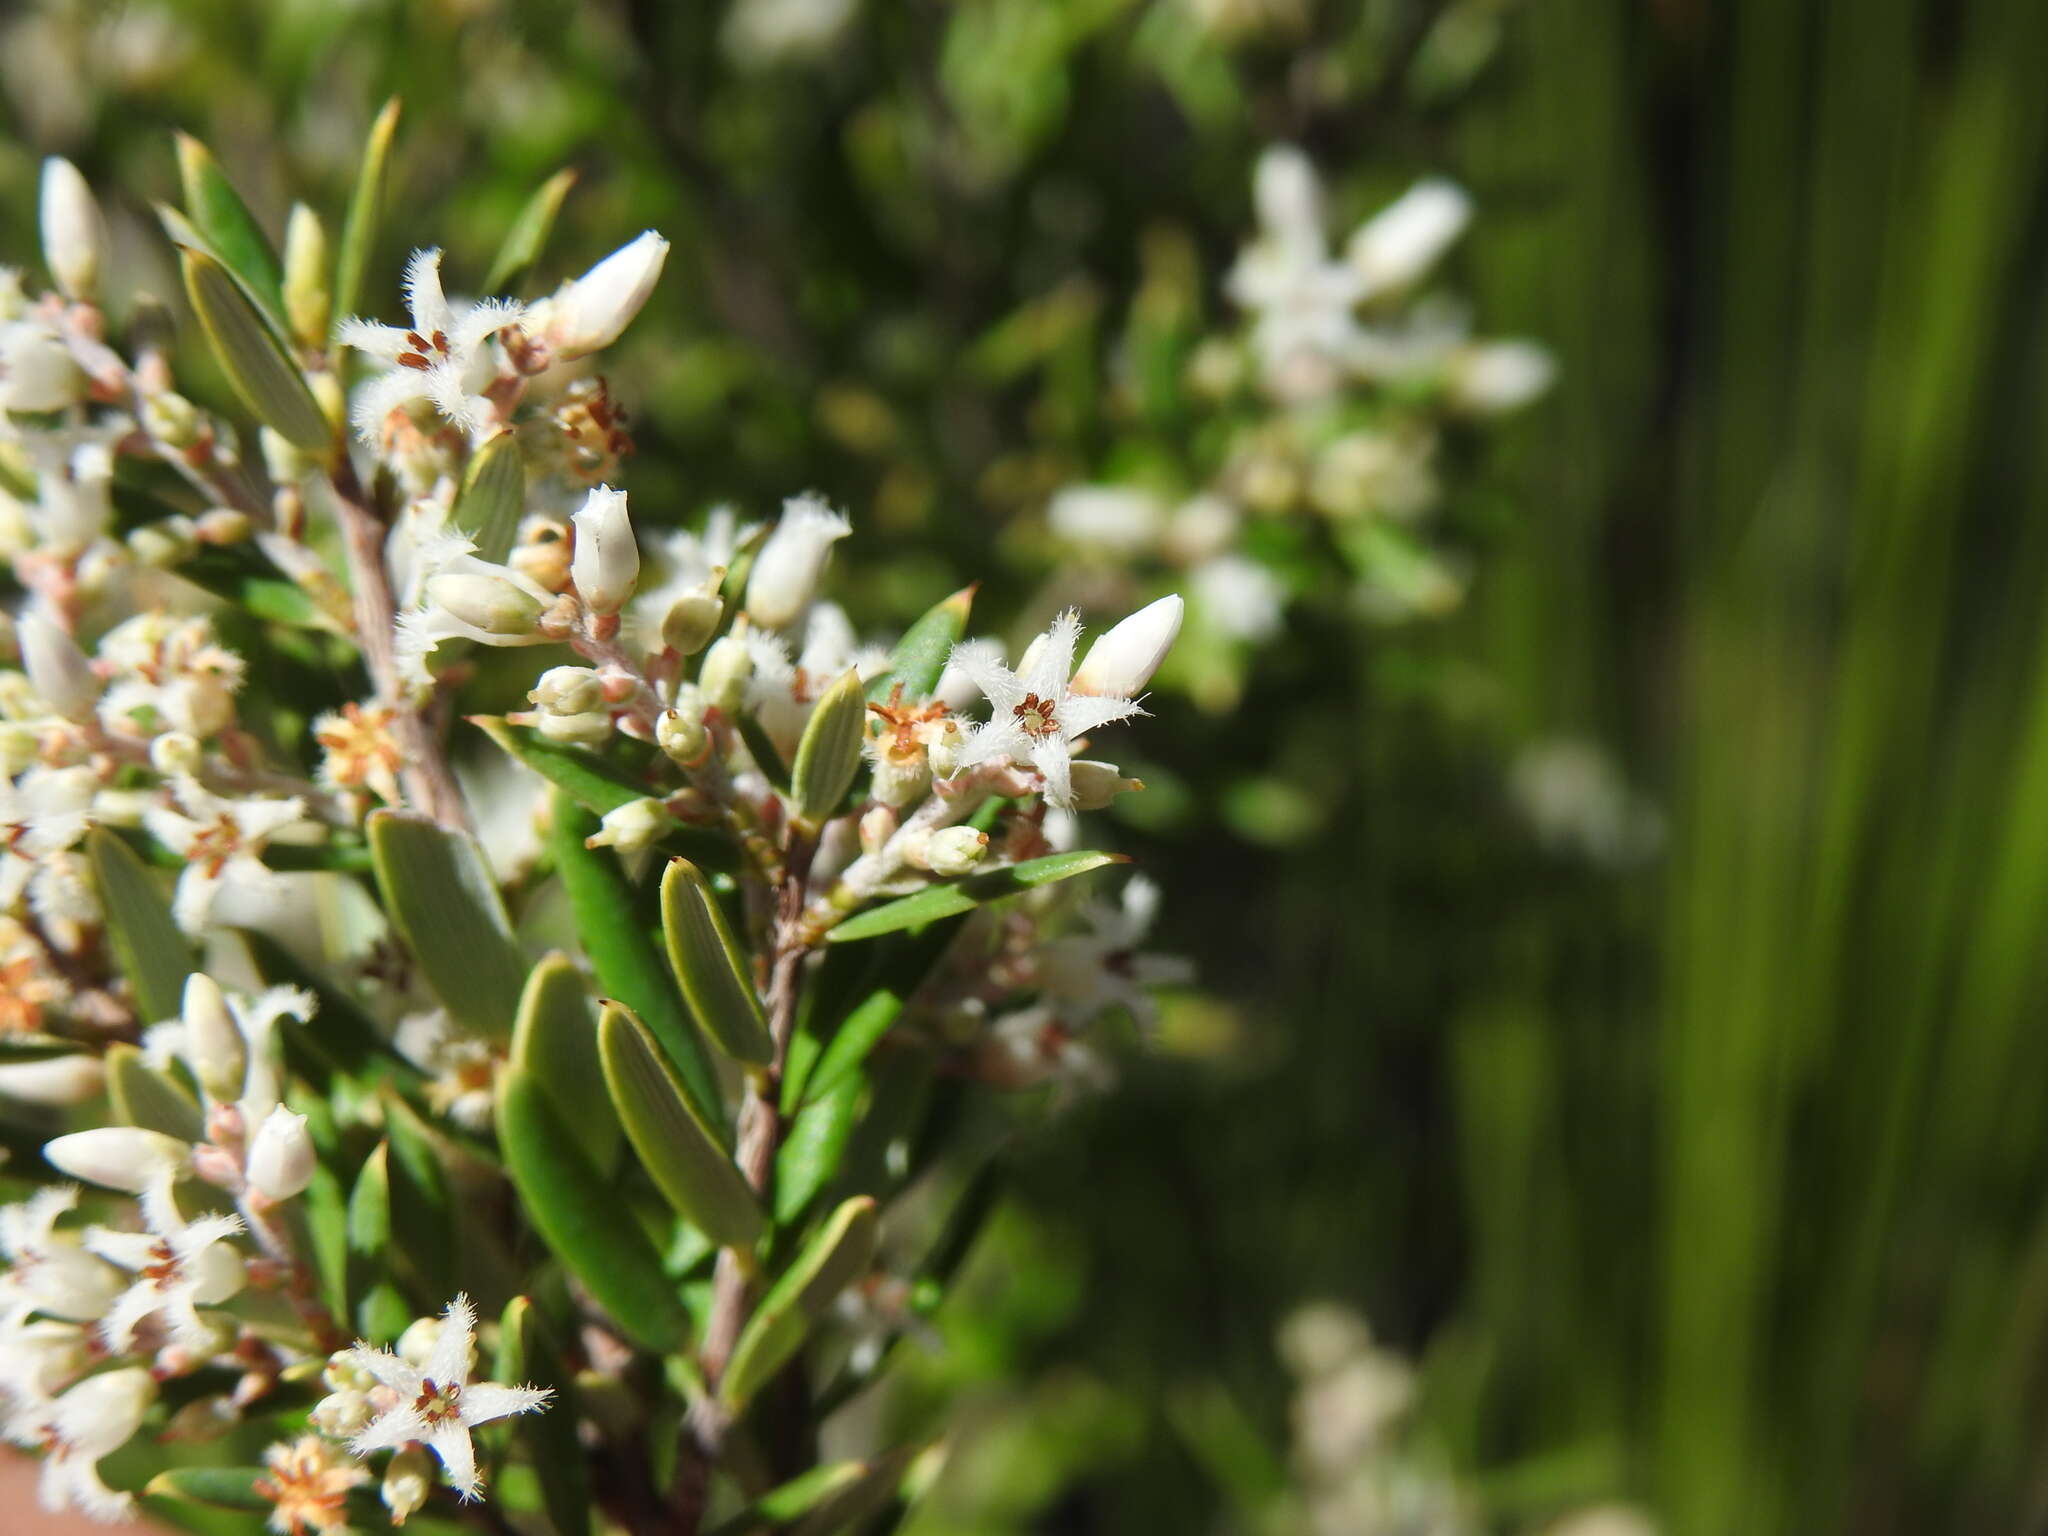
1123, 659
56, 667
1400, 243
944, 741
161, 544
606, 563
74, 235
342, 1414
493, 604
728, 668
415, 1346
694, 617
37, 371
633, 826
122, 1157
283, 461
877, 825
680, 733
955, 850
214, 1047
592, 728
102, 1412
1096, 784
281, 1158
222, 525
170, 418
176, 753
901, 778
786, 571
308, 299
596, 308
1494, 377
58, 1080
407, 1482
568, 691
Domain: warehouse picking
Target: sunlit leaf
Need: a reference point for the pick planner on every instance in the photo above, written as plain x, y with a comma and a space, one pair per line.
956, 896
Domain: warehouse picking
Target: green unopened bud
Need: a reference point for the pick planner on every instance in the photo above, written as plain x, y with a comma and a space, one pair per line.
171, 419
694, 617
308, 301
1096, 784
728, 668
955, 850
286, 463
161, 544
633, 826
680, 733
407, 1482
492, 604
568, 691
223, 525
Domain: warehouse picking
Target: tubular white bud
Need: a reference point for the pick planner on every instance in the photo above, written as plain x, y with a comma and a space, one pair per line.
214, 1046
492, 604
900, 779
786, 571
944, 741
728, 668
407, 1482
56, 667
177, 754
74, 235
877, 826
37, 371
59, 1080
592, 728
568, 691
122, 1157
281, 1158
1121, 662
1398, 245
1492, 378
1096, 784
633, 826
606, 563
955, 850
596, 308
694, 617
680, 733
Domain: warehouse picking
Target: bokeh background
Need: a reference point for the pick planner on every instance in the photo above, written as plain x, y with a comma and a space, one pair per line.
1710, 1178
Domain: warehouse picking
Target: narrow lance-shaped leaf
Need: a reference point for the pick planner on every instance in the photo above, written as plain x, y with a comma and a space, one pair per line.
145, 1097
365, 208
442, 900
839, 1254
528, 235
151, 951
564, 1196
685, 1159
824, 1500
220, 1487
556, 1040
828, 756
624, 954
381, 1310
816, 1146
219, 213
526, 1354
919, 659
956, 896
710, 966
423, 1212
254, 360
493, 496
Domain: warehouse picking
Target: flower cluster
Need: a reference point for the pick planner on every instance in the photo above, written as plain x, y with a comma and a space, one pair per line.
1333, 399
353, 754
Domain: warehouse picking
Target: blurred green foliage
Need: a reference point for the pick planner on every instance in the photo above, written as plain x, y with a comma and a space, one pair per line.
1714, 1180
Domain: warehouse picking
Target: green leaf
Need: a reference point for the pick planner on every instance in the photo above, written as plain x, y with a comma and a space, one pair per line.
365, 208
231, 230
858, 1499
828, 756
859, 1034
556, 1040
624, 954
711, 966
493, 496
37, 1047
824, 1500
839, 1254
255, 361
565, 1198
527, 1356
382, 1312
150, 950
599, 785
920, 656
241, 574
684, 1157
340, 1038
146, 1097
816, 1145
221, 1487
529, 233
422, 1209
761, 747
441, 899
955, 896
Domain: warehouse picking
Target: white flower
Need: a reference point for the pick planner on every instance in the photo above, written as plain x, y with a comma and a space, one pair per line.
56, 667
36, 1358
221, 841
953, 851
1238, 596
60, 1080
591, 312
436, 1402
92, 1420
687, 563
74, 235
1112, 518
42, 814
125, 1157
1491, 378
50, 1271
179, 1267
1036, 715
443, 358
1122, 660
465, 597
1033, 1046
606, 564
37, 371
1082, 974
786, 571
281, 1158
462, 1066
1301, 300
1397, 246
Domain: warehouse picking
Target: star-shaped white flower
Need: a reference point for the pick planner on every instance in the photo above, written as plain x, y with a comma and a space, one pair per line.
221, 841
179, 1267
92, 1420
1037, 719
49, 1271
436, 1403
444, 357
1081, 974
